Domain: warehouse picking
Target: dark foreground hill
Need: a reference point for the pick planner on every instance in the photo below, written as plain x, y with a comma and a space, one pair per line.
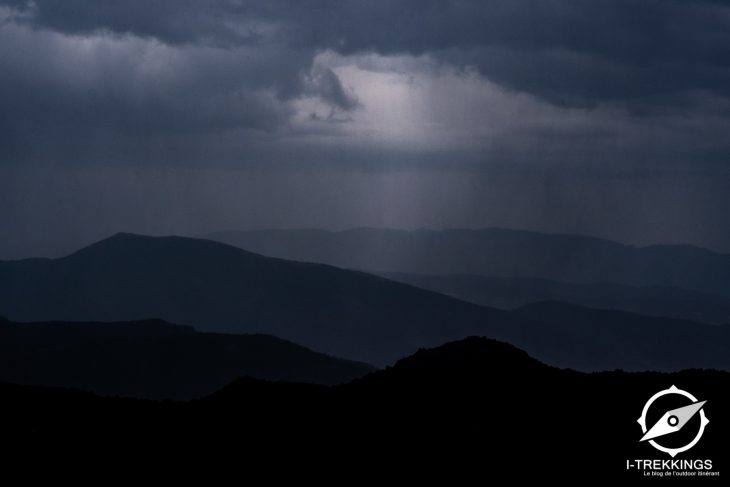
471, 408
496, 252
220, 288
514, 292
154, 359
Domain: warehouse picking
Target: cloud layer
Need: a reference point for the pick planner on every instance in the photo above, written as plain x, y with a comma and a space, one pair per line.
633, 94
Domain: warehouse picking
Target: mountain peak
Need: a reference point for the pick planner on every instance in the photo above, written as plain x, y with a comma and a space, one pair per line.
130, 244
477, 353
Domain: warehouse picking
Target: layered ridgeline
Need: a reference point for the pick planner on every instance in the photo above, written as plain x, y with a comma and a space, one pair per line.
472, 407
216, 287
514, 292
496, 253
155, 359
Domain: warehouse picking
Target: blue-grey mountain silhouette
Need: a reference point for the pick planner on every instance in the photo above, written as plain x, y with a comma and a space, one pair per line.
514, 292
353, 315
496, 252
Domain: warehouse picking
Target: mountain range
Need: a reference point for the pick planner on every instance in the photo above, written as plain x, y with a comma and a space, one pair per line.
496, 252
219, 288
514, 292
155, 359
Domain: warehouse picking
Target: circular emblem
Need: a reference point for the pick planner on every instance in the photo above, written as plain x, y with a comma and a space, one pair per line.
673, 421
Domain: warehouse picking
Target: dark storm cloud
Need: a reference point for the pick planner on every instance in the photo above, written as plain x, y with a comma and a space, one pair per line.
173, 21
57, 91
566, 51
68, 97
185, 116
145, 68
105, 71
324, 83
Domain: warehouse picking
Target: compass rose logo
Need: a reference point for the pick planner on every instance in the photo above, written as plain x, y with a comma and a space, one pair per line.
673, 420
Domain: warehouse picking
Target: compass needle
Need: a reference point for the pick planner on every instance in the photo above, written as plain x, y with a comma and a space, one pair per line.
673, 421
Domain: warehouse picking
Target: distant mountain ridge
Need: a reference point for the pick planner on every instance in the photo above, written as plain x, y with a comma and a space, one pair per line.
496, 252
155, 359
353, 315
221, 288
510, 293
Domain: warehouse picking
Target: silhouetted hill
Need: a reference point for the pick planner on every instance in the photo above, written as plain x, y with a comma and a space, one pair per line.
467, 356
509, 293
497, 253
474, 408
348, 314
155, 359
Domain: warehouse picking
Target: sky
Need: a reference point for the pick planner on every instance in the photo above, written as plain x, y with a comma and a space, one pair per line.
607, 117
